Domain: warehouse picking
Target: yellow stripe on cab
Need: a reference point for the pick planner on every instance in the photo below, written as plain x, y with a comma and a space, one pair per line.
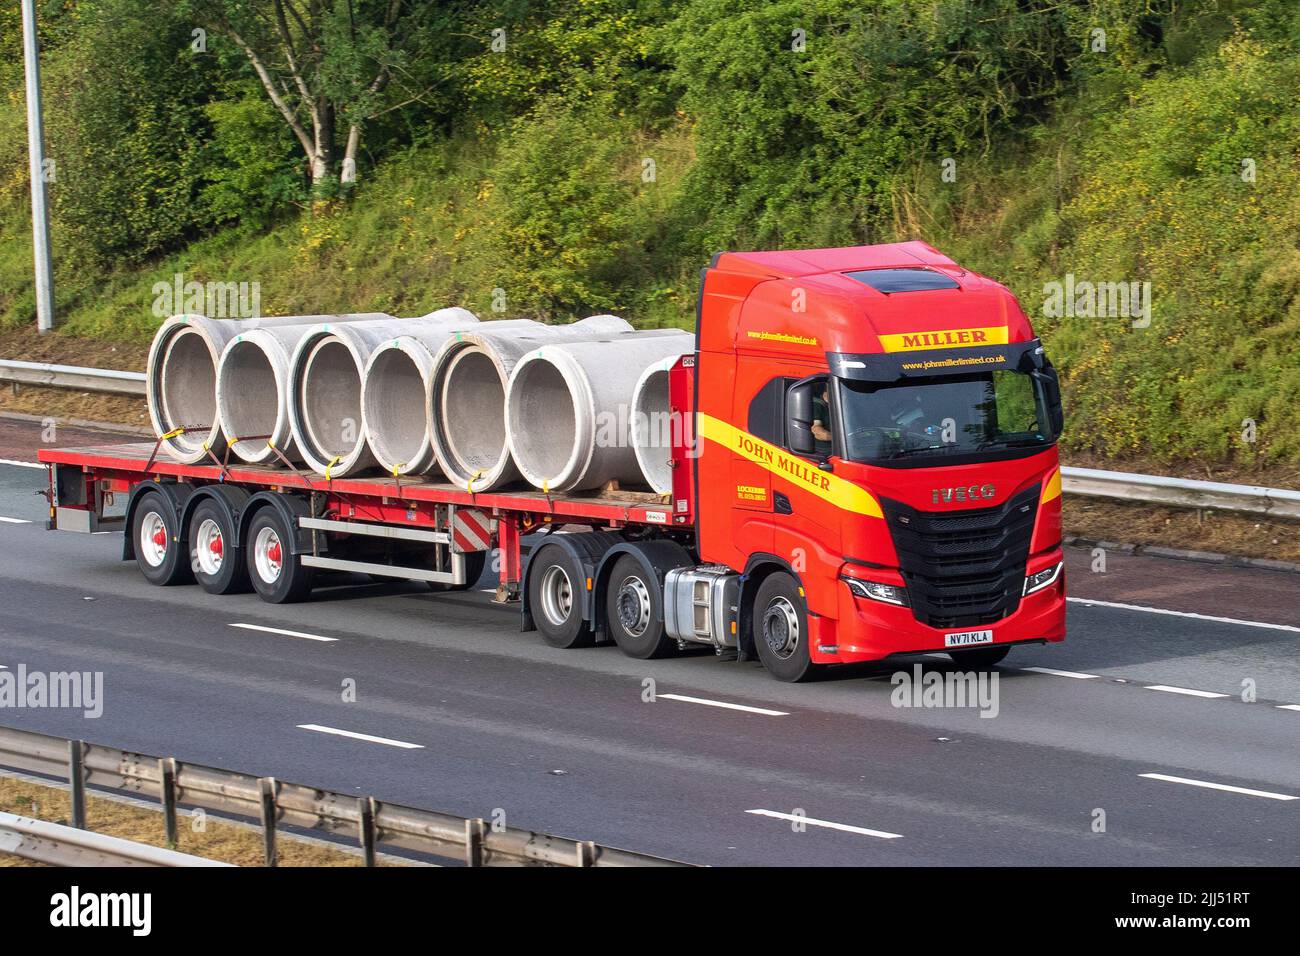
842, 494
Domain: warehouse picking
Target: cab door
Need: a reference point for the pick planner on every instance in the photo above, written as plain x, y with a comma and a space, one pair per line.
758, 411
806, 516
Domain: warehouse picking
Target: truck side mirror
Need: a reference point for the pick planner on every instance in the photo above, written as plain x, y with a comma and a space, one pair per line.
1051, 384
799, 418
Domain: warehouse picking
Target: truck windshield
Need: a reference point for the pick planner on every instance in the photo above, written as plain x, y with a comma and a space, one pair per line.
942, 417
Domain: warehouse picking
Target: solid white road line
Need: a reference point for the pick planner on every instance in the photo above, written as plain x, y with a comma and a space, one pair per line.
1056, 673
277, 630
796, 818
1288, 706
21, 464
718, 703
1184, 690
1218, 786
356, 736
5, 520
1197, 617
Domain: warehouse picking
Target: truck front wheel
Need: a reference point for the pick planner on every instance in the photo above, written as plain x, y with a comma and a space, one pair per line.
780, 628
276, 572
634, 610
555, 590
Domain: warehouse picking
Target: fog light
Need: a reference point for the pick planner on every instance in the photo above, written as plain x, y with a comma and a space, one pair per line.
875, 591
1041, 579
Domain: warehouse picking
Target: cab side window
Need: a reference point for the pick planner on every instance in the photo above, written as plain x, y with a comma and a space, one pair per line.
821, 426
767, 412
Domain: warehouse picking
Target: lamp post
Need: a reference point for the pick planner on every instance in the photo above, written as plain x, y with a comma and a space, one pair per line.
36, 155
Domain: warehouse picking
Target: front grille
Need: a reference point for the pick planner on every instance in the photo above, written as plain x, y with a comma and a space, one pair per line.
963, 568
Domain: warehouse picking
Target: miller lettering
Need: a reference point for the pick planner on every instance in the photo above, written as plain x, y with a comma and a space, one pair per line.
929, 340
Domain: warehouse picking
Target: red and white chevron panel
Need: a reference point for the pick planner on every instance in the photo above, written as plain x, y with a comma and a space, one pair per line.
471, 530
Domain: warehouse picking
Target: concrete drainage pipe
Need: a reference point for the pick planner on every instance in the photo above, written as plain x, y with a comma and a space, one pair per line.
326, 377
467, 389
394, 410
653, 426
253, 387
182, 376
569, 408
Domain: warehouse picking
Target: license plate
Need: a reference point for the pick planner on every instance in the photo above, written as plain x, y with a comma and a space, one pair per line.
967, 638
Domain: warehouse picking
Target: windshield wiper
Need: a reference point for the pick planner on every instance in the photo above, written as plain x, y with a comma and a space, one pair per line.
904, 452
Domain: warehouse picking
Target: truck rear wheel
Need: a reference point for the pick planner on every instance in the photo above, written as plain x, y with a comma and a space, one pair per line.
980, 658
634, 610
780, 628
555, 588
155, 531
276, 572
218, 565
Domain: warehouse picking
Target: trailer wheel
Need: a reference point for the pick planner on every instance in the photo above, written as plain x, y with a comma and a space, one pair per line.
980, 658
555, 589
155, 529
475, 562
634, 610
218, 565
277, 574
780, 628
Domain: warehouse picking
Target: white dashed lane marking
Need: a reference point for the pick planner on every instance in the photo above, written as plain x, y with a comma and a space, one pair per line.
827, 824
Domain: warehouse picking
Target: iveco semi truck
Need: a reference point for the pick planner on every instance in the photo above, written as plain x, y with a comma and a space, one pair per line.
866, 466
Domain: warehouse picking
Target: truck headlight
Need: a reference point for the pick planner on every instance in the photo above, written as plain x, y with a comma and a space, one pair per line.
1041, 579
875, 591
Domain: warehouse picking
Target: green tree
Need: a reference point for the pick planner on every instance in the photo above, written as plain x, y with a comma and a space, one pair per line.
329, 67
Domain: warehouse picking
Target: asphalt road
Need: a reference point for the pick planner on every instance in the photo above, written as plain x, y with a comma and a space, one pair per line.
567, 742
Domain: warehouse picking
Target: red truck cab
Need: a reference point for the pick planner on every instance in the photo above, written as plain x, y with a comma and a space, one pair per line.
876, 457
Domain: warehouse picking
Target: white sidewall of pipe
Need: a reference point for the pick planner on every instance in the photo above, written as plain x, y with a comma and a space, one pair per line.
579, 437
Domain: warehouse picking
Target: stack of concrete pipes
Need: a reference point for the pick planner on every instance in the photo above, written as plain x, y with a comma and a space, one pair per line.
486, 404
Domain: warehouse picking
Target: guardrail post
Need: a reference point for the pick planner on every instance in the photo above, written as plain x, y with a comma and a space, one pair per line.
77, 782
366, 825
267, 787
586, 853
167, 771
474, 830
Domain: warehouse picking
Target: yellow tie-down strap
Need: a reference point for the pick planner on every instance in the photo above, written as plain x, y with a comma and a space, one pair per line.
824, 484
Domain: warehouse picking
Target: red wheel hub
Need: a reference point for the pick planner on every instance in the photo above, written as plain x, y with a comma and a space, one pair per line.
160, 539
215, 547
273, 552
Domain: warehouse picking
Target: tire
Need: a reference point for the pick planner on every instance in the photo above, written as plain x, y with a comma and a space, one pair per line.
475, 562
555, 589
155, 531
217, 564
276, 573
780, 629
981, 658
634, 611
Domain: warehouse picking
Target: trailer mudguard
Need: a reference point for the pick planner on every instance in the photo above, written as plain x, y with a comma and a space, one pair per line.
587, 548
657, 557
230, 498
291, 508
